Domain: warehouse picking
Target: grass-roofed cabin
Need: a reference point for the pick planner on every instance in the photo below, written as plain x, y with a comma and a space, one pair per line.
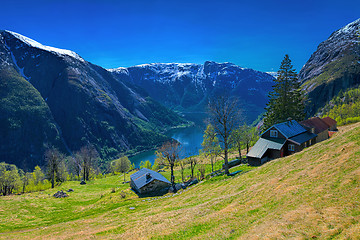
146, 181
280, 140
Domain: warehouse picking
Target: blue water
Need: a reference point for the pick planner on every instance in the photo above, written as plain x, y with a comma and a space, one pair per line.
190, 139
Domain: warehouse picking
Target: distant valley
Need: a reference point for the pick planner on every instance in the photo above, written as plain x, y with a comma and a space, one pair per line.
53, 97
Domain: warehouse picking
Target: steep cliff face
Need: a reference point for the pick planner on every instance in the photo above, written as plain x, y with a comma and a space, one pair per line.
84, 102
27, 127
188, 87
334, 66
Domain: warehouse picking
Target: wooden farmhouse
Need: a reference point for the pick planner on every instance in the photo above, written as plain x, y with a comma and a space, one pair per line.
331, 123
146, 181
318, 126
286, 138
280, 140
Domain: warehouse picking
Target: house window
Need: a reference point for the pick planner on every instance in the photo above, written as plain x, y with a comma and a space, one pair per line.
291, 147
273, 133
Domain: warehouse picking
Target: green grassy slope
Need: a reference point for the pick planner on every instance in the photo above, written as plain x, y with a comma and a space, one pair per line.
312, 194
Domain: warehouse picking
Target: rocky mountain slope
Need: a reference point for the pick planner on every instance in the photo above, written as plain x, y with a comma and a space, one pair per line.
187, 87
53, 97
334, 66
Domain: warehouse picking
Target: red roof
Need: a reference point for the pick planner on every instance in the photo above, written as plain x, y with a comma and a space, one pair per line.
329, 121
318, 124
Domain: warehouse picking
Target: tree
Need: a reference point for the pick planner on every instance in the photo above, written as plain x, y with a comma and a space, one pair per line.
201, 169
75, 165
237, 139
156, 165
286, 100
87, 157
25, 179
250, 134
210, 145
38, 175
9, 178
243, 136
146, 164
168, 155
182, 164
54, 160
121, 165
192, 161
224, 116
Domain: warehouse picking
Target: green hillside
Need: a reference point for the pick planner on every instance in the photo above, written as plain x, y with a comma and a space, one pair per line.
345, 107
311, 194
24, 118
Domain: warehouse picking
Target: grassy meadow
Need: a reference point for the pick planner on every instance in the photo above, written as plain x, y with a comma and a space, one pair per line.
311, 194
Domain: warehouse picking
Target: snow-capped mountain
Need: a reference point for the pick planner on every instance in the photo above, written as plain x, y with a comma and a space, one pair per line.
335, 65
34, 44
53, 97
188, 86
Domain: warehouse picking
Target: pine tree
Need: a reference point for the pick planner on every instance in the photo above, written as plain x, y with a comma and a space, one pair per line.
286, 100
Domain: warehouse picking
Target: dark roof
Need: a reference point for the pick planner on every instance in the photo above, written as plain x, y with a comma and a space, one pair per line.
289, 128
303, 137
316, 123
263, 144
140, 179
329, 121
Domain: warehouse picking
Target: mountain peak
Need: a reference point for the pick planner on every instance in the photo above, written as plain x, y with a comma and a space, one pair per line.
351, 27
349, 32
32, 43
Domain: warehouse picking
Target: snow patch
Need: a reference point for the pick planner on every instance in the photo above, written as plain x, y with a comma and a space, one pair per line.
274, 74
21, 70
116, 70
35, 44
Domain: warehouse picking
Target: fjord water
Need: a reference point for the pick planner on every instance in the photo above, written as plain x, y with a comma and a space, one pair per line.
190, 139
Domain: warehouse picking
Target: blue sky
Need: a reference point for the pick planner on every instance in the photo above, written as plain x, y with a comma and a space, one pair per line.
254, 34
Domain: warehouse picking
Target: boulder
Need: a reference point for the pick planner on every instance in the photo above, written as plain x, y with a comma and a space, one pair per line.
195, 181
70, 190
172, 189
60, 194
178, 186
82, 182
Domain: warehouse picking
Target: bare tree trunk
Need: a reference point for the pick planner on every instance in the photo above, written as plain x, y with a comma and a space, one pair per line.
52, 179
226, 158
212, 163
172, 175
84, 174
182, 175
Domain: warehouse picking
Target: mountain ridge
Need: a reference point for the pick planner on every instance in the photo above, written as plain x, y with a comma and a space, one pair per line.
334, 66
87, 104
187, 87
